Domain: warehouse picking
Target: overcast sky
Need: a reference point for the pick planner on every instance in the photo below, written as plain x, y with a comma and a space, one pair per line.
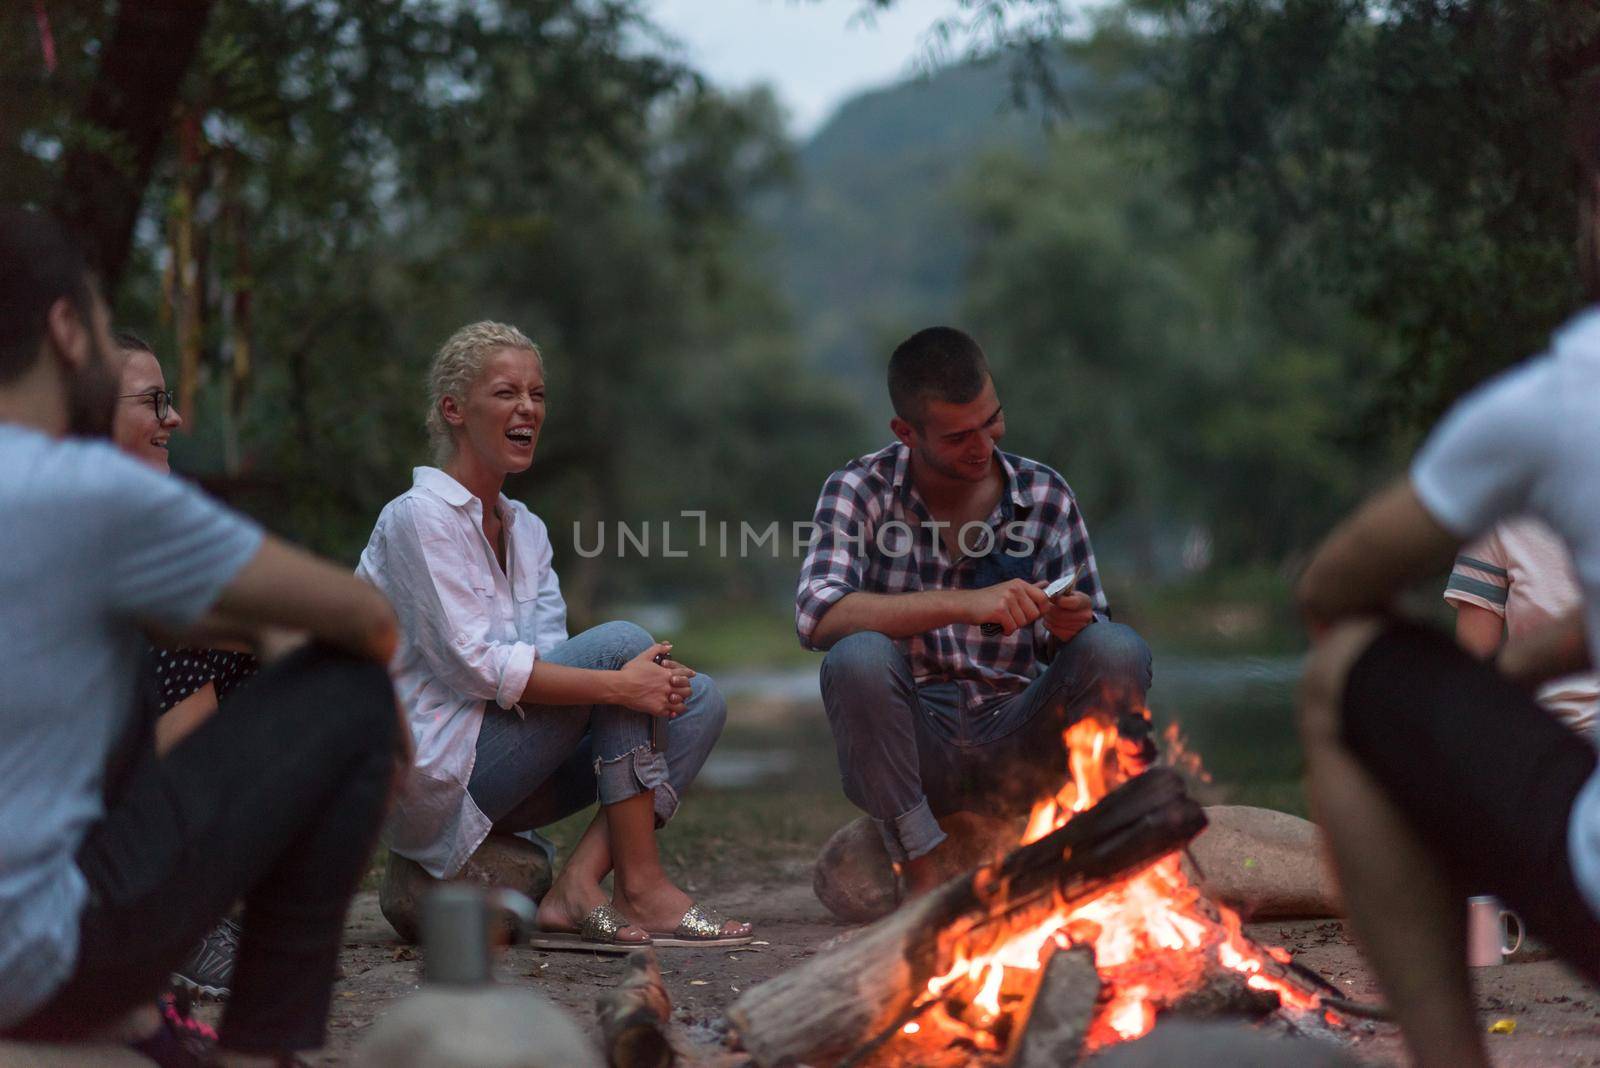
815, 52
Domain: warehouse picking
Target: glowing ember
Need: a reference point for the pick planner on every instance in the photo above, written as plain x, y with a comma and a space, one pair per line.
1152, 935
1130, 1014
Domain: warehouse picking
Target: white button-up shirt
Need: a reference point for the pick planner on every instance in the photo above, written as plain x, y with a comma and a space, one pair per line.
470, 634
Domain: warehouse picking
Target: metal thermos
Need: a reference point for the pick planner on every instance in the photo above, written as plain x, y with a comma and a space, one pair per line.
458, 931
461, 1018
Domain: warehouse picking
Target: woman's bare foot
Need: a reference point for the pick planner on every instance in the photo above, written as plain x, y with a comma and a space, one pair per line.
659, 906
571, 899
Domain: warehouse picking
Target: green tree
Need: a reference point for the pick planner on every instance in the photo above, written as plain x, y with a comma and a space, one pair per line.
1142, 354
342, 184
1410, 157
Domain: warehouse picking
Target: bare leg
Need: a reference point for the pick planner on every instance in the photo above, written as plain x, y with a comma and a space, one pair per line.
577, 888
1407, 915
642, 891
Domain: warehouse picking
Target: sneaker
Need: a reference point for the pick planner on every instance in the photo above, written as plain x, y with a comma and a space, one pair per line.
208, 971
180, 1042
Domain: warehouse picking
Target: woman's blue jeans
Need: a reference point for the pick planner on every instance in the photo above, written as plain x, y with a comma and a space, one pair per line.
550, 761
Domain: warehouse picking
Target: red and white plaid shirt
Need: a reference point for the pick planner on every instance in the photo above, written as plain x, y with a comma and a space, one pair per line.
874, 534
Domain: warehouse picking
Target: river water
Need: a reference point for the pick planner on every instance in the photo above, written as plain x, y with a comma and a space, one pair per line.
1236, 713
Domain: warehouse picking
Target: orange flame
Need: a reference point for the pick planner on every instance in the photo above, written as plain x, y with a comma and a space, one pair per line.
1180, 756
1155, 925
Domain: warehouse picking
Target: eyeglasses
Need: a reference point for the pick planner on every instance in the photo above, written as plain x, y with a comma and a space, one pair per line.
160, 398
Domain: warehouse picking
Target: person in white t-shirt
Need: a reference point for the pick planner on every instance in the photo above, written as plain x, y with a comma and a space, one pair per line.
1517, 580
110, 871
1432, 771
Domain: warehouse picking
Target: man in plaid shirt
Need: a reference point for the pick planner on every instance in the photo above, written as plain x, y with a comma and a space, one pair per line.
949, 674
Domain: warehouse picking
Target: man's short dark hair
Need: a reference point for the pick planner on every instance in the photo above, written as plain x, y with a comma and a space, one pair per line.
39, 264
128, 341
939, 363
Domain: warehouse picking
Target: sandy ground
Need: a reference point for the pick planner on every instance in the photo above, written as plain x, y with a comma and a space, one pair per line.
1557, 1018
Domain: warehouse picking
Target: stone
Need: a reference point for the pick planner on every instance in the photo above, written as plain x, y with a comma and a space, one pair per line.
502, 860
1265, 864
476, 1027
1215, 1044
855, 880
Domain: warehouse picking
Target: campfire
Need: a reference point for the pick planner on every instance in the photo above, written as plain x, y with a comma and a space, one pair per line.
1154, 937
1081, 937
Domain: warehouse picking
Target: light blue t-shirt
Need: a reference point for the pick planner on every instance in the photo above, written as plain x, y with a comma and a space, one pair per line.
1528, 443
92, 544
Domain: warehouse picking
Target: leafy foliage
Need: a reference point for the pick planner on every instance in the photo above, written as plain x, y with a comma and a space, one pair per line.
371, 176
1142, 354
1411, 155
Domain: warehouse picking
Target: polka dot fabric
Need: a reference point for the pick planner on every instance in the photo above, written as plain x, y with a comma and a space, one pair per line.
181, 672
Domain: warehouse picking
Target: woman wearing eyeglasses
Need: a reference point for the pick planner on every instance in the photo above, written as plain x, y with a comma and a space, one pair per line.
145, 416
187, 681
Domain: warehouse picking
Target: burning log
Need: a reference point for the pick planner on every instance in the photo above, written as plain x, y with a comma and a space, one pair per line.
849, 996
634, 1016
1063, 1009
1225, 993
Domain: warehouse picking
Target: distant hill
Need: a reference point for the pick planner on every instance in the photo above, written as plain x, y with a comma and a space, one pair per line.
871, 244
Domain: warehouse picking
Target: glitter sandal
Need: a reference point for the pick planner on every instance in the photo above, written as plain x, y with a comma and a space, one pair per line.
597, 933
701, 926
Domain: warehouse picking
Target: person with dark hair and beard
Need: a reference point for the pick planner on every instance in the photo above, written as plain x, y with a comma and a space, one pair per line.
108, 876
951, 672
1435, 774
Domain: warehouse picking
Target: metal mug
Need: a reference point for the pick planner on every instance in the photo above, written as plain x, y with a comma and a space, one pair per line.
458, 930
1488, 928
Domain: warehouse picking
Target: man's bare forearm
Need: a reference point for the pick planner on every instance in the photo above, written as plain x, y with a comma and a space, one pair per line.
1562, 648
1390, 542
283, 586
895, 615
214, 630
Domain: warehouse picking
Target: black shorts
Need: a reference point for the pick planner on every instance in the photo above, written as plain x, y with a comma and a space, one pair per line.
1486, 777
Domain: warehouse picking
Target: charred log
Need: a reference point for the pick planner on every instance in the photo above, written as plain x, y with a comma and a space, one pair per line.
1063, 1008
1225, 993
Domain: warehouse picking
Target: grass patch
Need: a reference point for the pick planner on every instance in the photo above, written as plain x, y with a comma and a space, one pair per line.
740, 637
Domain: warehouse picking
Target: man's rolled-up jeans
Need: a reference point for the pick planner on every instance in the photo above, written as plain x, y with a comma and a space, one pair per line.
910, 753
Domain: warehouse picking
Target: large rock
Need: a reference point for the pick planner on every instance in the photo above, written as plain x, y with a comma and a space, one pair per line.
1221, 1045
502, 860
1265, 864
476, 1027
854, 878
